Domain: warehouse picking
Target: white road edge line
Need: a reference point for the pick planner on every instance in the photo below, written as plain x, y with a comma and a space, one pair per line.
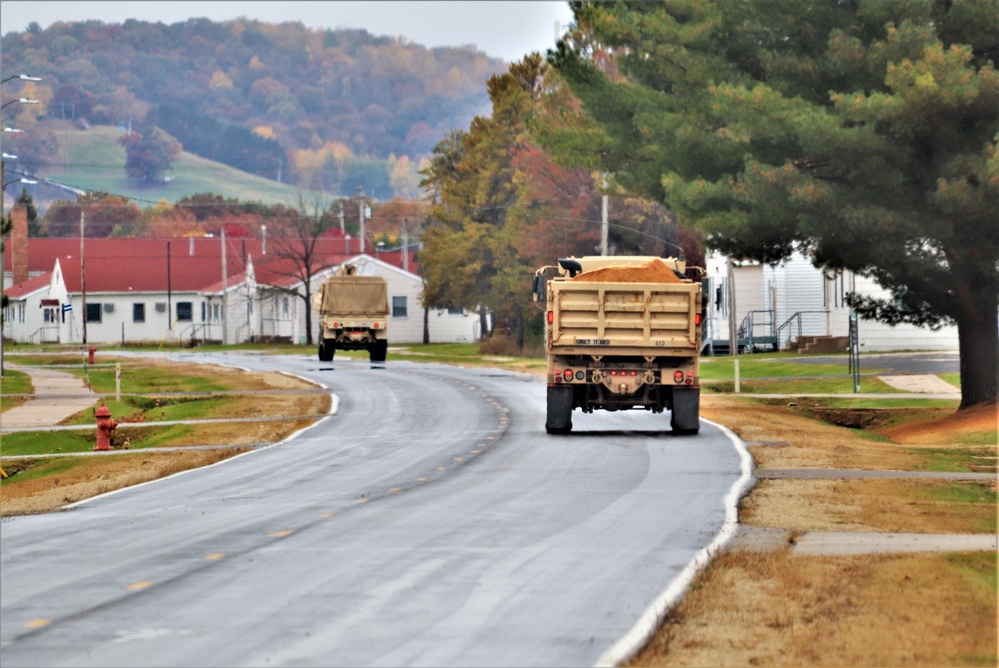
334, 407
635, 639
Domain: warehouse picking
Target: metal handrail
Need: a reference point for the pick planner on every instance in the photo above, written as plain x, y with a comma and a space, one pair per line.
785, 334
747, 330
44, 328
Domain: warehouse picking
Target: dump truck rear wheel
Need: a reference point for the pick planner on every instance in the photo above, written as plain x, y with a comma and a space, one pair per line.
559, 410
685, 414
378, 350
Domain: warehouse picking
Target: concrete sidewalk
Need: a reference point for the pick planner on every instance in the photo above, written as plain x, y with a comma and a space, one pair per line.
921, 384
57, 396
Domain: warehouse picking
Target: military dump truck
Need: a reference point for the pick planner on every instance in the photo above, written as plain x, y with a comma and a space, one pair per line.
622, 333
353, 314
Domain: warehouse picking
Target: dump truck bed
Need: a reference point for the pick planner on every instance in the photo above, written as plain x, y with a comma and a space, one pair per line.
596, 317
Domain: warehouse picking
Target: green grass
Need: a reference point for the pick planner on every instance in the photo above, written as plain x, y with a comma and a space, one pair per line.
848, 401
33, 469
95, 162
15, 382
135, 408
957, 460
28, 443
979, 568
769, 365
981, 502
795, 385
47, 442
136, 377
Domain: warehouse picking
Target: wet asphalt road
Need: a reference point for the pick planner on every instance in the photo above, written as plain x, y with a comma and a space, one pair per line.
431, 521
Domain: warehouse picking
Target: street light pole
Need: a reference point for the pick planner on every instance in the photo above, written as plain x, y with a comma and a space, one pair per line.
3, 190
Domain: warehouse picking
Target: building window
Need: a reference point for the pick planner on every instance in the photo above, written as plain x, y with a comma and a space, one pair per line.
185, 312
399, 307
204, 309
455, 310
216, 313
94, 312
285, 309
138, 312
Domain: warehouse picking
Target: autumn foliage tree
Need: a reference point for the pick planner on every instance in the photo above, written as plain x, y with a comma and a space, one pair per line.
863, 134
485, 237
297, 239
503, 208
149, 154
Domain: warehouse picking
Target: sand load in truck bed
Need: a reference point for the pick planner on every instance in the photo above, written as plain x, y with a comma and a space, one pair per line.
655, 271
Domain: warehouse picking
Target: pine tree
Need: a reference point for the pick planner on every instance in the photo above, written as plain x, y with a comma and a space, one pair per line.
863, 134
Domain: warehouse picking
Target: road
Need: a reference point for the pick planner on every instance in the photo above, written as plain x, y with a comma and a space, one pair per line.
431, 521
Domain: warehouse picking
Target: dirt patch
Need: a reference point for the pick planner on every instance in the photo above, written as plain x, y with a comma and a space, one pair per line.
942, 429
775, 609
752, 608
97, 476
878, 505
102, 474
655, 271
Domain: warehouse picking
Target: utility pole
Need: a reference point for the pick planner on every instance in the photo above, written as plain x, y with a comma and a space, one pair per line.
225, 287
405, 245
604, 225
360, 214
83, 279
169, 289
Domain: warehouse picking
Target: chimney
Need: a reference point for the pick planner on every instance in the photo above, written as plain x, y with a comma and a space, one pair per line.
19, 245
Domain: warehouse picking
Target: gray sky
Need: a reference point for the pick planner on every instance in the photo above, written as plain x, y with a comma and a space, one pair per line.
504, 29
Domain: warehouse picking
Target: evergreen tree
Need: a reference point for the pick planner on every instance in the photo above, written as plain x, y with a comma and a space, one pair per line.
863, 134
34, 223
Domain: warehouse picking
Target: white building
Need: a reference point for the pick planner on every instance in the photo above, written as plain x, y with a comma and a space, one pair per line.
156, 290
775, 304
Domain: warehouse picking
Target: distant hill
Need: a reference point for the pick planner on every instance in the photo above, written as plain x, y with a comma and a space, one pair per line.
324, 108
95, 162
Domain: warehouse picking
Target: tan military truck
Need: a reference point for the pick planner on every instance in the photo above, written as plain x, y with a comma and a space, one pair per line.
353, 314
622, 333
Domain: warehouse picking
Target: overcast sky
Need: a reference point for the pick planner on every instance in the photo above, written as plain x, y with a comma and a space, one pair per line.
503, 29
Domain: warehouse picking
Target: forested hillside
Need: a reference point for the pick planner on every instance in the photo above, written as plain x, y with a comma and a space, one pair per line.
327, 109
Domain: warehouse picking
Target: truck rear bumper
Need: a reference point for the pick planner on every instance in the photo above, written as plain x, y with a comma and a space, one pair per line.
589, 397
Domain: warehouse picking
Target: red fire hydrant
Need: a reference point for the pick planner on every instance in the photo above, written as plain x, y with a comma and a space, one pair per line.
90, 354
105, 428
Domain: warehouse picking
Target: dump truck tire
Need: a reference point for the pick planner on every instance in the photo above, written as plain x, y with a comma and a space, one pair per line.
685, 414
378, 351
559, 410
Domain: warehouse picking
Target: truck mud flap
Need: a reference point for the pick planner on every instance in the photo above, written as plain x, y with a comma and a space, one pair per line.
685, 414
326, 350
559, 410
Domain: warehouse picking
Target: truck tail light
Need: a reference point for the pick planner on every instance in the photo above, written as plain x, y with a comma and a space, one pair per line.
551, 317
690, 378
697, 318
677, 376
568, 375
374, 326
